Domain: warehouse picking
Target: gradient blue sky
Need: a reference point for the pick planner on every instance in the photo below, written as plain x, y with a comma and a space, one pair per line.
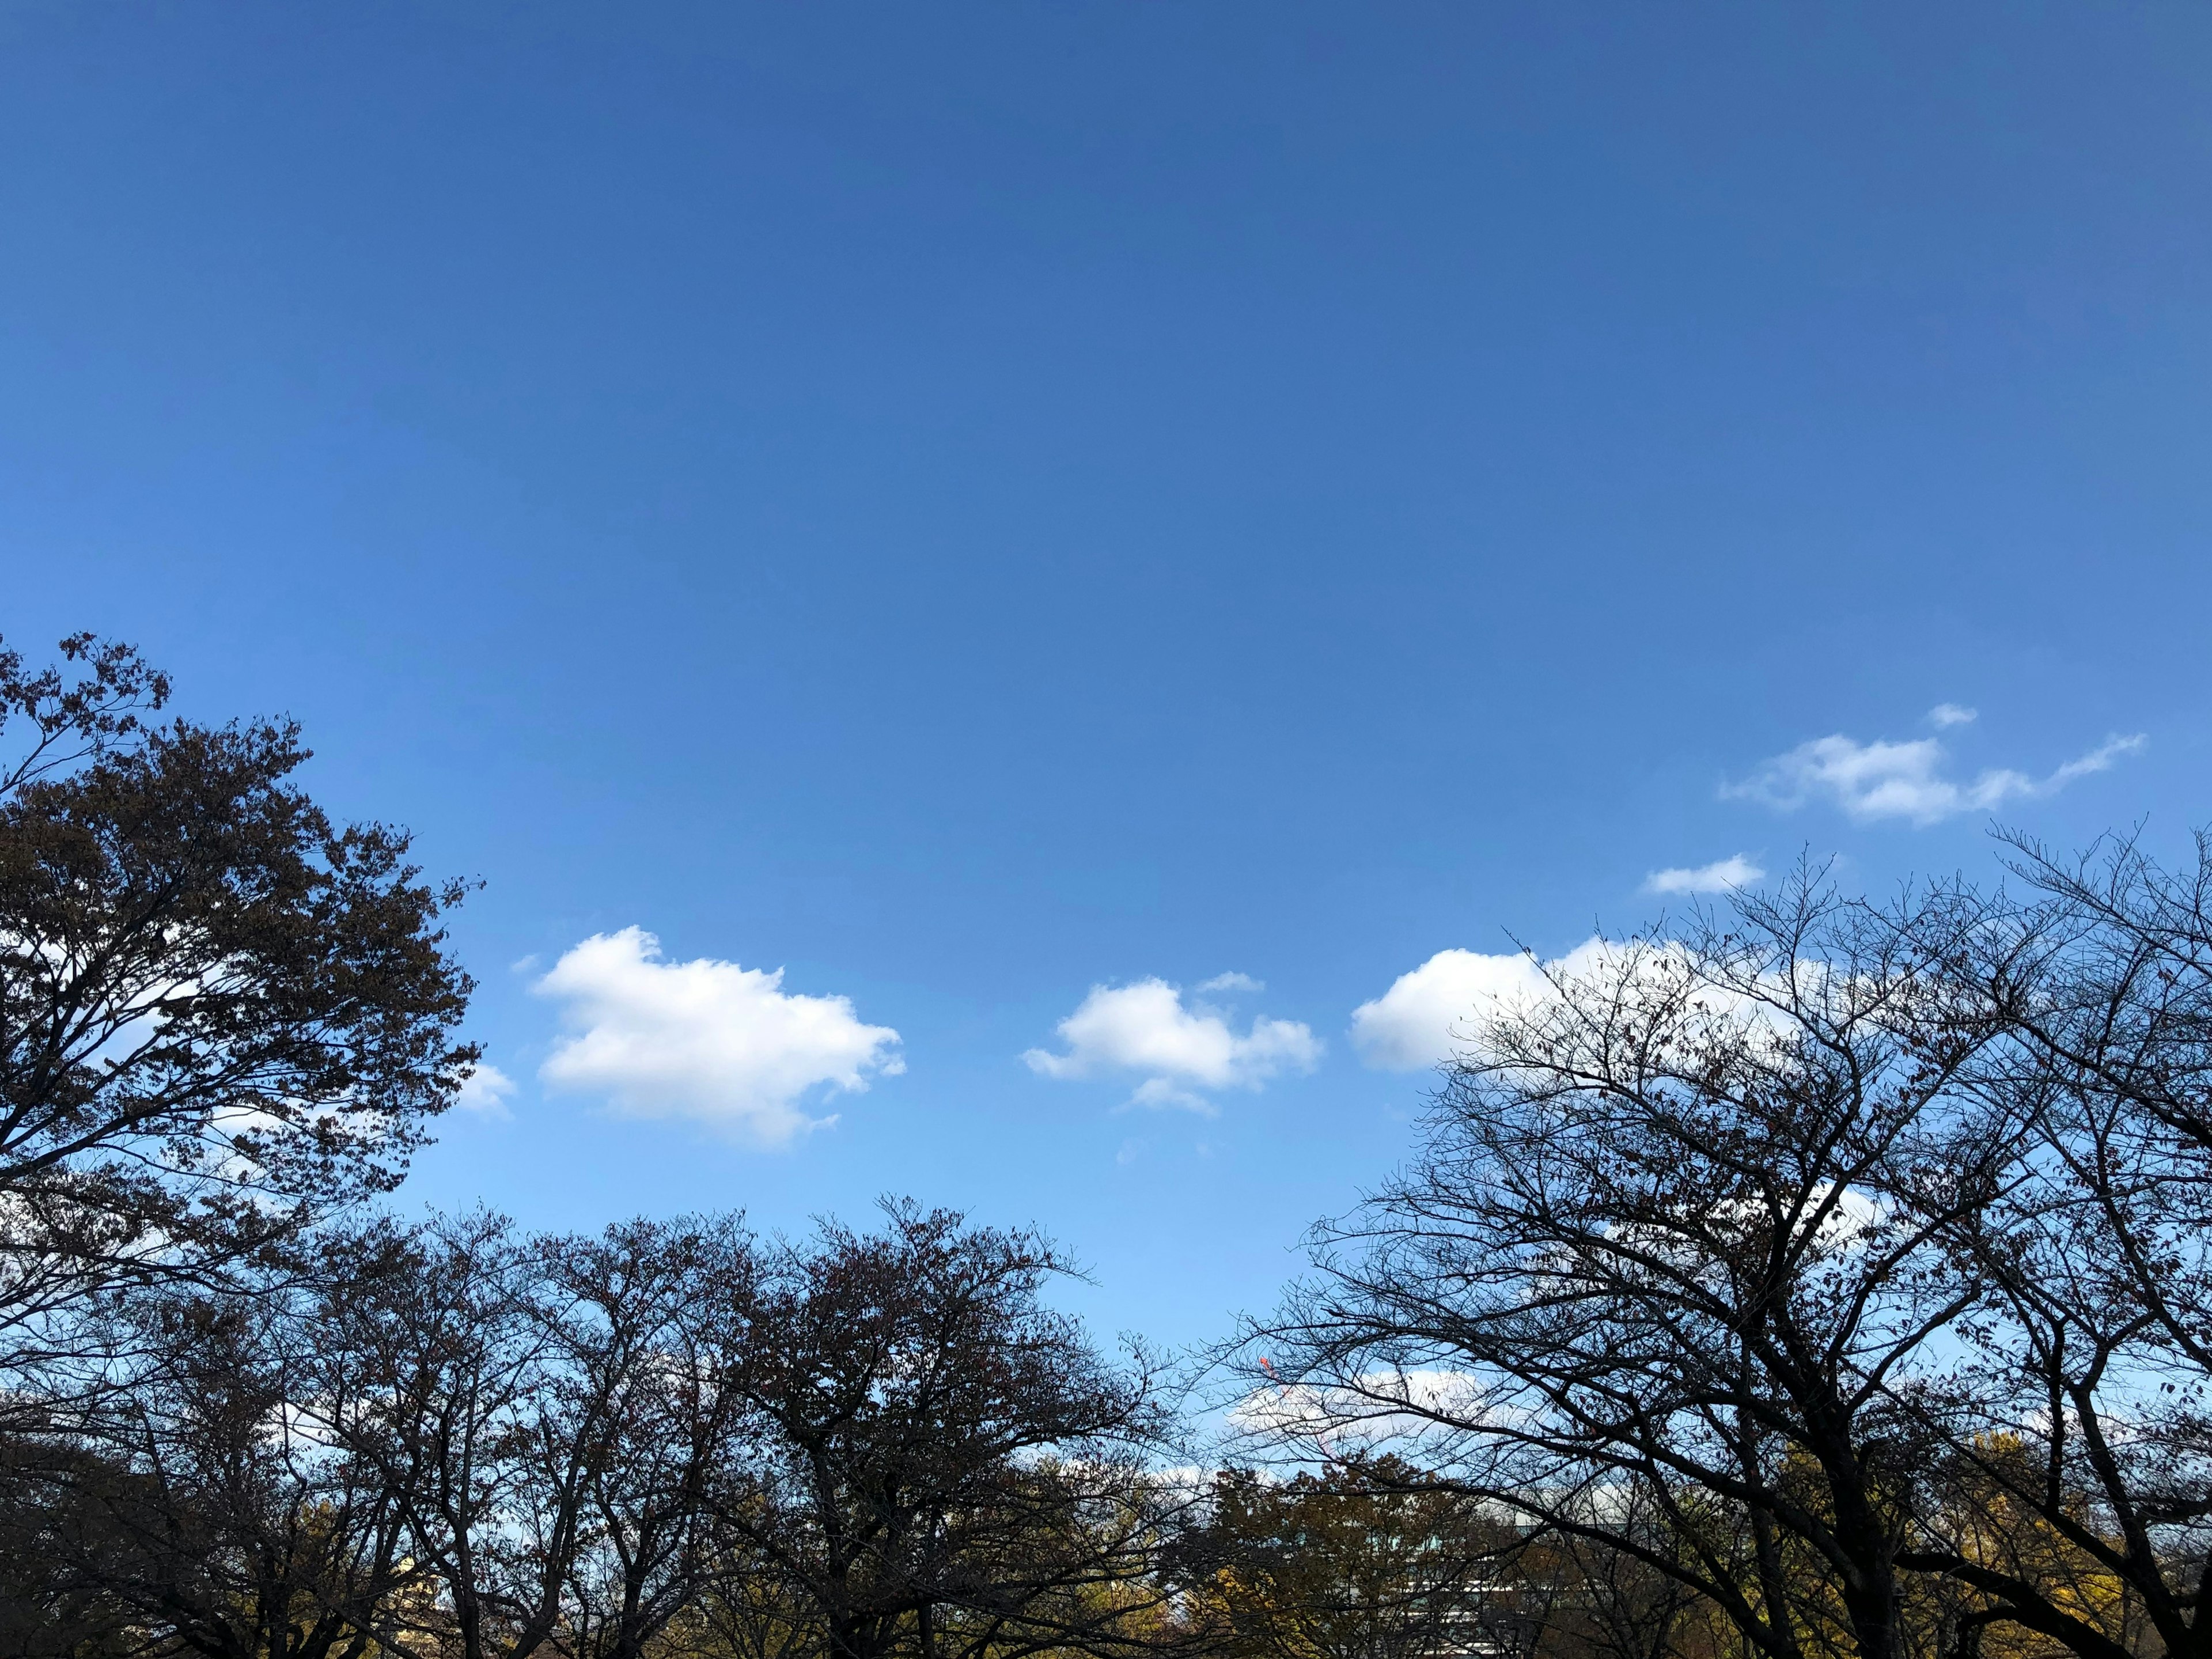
967, 504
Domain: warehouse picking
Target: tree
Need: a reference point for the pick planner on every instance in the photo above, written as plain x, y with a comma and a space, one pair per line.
221, 1013
447, 1439
2077, 1431
642, 1420
458, 1439
1587, 1599
931, 1462
554, 1413
208, 1496
1671, 1249
1360, 1561
58, 1555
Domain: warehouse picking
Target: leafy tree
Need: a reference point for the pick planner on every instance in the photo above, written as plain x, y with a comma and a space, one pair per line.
59, 1554
1359, 1561
933, 1462
222, 1014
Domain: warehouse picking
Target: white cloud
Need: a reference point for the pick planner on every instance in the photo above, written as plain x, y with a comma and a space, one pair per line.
1442, 1010
1178, 1049
706, 1040
484, 1092
1428, 1015
1719, 877
1952, 713
1883, 779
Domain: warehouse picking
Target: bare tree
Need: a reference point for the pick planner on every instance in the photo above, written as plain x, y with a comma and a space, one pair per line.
1598, 1601
449, 1440
2078, 1457
1667, 1251
470, 1418
643, 1421
456, 1440
554, 1412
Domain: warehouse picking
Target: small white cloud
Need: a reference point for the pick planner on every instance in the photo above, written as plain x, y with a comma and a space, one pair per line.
1147, 1029
1722, 876
1427, 1016
1945, 714
705, 1040
1243, 982
484, 1092
1883, 779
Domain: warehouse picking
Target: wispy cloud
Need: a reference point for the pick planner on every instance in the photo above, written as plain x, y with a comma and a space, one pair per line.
1232, 983
1909, 781
1722, 876
707, 1040
2097, 760
1945, 714
1177, 1049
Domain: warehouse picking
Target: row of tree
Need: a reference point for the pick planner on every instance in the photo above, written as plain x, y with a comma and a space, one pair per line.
459, 1440
1825, 1277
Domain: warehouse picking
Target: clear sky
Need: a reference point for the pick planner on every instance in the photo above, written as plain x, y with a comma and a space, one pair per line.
984, 509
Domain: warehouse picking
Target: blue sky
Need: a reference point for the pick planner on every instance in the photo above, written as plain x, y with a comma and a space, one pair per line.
983, 508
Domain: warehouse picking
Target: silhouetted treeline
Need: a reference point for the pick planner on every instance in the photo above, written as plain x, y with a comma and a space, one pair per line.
461, 1440
1817, 1277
